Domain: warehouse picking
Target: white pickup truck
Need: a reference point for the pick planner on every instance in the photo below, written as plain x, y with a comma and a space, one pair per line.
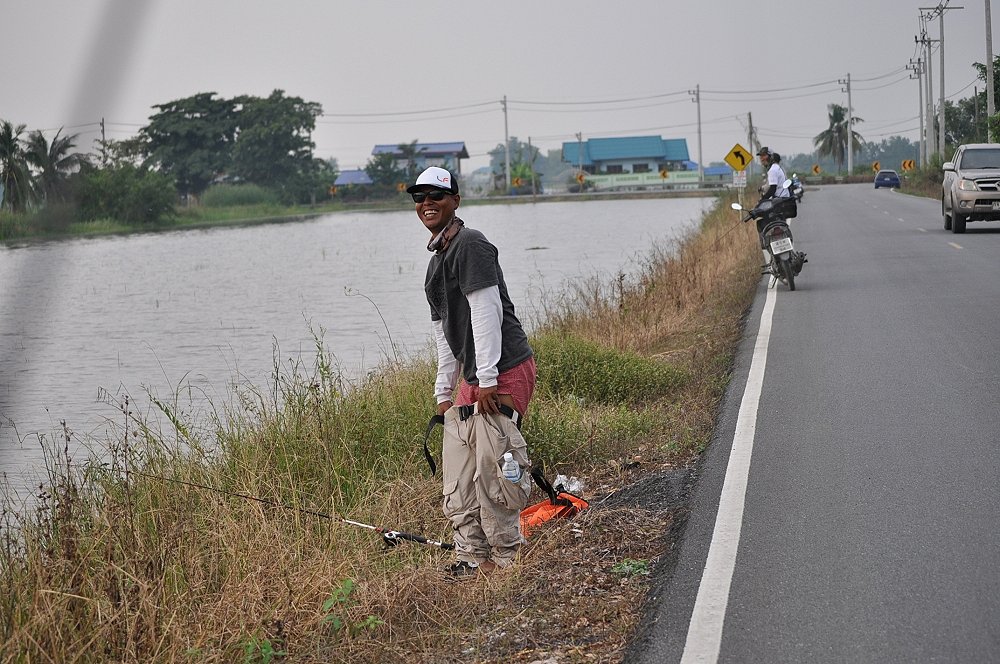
971, 187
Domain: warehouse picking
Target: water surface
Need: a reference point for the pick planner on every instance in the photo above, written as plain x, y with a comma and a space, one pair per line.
85, 322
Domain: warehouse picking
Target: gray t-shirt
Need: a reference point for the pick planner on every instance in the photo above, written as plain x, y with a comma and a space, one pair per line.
467, 265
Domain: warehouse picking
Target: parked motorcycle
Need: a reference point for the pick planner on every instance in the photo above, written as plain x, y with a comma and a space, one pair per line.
797, 189
771, 216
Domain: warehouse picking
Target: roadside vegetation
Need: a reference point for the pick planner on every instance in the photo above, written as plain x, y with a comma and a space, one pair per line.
221, 540
924, 181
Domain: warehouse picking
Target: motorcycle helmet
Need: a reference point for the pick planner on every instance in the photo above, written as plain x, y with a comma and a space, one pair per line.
775, 158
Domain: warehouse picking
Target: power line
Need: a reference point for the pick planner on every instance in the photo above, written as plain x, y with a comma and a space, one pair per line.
402, 120
421, 112
598, 110
592, 102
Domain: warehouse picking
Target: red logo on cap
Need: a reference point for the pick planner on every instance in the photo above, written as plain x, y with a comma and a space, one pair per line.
442, 179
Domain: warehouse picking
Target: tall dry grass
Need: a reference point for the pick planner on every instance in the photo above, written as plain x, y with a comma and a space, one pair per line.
224, 543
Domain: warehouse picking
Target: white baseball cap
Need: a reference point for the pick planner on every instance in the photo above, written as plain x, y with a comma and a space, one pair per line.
435, 176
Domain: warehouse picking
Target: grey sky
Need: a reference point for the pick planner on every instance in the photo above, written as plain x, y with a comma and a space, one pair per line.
71, 62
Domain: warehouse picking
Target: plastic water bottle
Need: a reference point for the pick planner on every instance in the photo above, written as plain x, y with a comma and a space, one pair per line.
511, 469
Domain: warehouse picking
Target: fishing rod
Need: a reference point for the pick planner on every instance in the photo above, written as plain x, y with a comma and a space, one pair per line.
389, 537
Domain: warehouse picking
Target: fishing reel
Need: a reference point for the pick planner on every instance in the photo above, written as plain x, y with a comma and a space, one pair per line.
391, 538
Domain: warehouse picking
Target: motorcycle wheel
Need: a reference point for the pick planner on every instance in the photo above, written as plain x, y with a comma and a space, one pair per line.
787, 271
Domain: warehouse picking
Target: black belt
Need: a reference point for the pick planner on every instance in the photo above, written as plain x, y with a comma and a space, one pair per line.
464, 413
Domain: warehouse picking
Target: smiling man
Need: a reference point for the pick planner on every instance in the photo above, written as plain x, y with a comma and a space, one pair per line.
481, 342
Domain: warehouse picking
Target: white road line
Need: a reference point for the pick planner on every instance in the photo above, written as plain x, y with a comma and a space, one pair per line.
957, 246
922, 230
704, 636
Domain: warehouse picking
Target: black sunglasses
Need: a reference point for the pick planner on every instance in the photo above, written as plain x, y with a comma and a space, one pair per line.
434, 195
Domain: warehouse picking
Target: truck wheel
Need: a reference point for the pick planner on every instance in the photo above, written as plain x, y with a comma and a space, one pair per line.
957, 222
946, 216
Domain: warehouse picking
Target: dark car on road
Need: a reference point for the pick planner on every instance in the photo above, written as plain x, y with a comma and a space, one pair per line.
887, 179
970, 190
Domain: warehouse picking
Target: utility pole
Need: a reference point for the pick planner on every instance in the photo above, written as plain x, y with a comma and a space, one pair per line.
531, 163
850, 124
939, 13
750, 141
926, 42
918, 71
104, 146
990, 101
506, 146
975, 114
579, 151
696, 93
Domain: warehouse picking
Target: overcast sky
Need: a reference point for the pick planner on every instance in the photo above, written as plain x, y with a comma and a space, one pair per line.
433, 71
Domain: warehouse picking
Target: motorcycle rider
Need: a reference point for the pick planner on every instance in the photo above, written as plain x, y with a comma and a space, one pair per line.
775, 188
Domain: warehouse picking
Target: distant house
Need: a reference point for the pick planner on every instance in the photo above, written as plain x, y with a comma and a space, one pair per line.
629, 154
632, 162
356, 176
445, 155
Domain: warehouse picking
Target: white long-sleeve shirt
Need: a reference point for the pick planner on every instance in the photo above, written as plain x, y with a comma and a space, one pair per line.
487, 317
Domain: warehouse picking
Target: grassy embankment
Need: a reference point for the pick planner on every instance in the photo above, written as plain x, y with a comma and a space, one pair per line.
113, 564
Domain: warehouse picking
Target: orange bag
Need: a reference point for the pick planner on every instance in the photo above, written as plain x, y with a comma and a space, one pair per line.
559, 505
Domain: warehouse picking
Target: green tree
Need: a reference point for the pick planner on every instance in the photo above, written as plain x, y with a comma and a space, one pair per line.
382, 169
964, 123
889, 152
53, 163
966, 120
127, 151
192, 139
981, 73
274, 145
833, 141
15, 175
523, 159
408, 153
312, 185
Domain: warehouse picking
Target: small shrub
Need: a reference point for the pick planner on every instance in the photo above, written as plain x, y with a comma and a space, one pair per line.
127, 194
586, 370
566, 431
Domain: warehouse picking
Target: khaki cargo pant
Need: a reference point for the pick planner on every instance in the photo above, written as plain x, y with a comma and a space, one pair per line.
483, 506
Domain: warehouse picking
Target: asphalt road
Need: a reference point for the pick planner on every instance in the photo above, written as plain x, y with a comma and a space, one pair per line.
870, 523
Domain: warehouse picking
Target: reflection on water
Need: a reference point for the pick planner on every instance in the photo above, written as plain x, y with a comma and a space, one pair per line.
85, 322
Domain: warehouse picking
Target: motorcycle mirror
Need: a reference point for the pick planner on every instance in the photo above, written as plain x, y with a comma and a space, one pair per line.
736, 206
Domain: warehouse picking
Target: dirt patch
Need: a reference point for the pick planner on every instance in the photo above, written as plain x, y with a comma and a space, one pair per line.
582, 584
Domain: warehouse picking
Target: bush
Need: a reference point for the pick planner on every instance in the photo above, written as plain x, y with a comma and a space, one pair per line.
127, 194
227, 195
588, 371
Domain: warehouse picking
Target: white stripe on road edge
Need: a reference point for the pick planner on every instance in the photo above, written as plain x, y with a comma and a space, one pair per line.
957, 246
704, 636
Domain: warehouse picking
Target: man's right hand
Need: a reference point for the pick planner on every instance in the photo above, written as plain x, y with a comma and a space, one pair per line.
444, 406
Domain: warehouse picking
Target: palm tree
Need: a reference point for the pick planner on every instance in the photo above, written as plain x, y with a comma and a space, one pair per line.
832, 142
14, 174
53, 162
409, 152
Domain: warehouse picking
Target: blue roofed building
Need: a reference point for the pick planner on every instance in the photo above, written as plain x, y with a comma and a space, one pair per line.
632, 162
445, 155
349, 177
